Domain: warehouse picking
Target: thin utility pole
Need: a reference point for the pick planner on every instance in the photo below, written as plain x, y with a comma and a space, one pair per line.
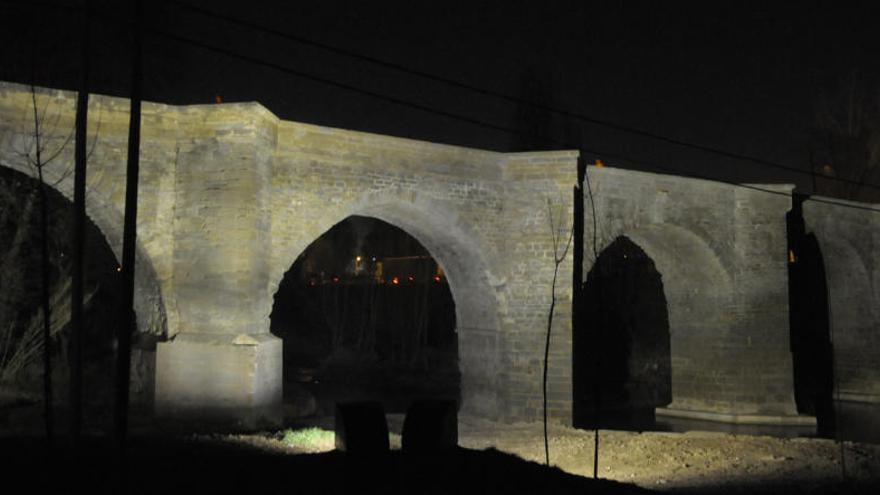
597, 332
79, 215
129, 236
577, 281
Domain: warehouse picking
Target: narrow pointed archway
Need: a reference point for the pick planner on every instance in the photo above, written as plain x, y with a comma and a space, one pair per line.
622, 363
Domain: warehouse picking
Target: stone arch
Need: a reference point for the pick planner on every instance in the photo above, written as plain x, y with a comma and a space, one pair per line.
849, 282
698, 290
148, 301
852, 317
623, 345
456, 247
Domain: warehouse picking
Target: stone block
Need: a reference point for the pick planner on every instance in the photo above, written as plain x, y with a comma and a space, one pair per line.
230, 381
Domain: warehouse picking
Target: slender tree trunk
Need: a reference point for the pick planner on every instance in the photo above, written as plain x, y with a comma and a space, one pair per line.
559, 253
47, 311
129, 236
79, 214
44, 277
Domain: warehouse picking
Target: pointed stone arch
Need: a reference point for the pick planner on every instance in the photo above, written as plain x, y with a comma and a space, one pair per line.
456, 248
148, 301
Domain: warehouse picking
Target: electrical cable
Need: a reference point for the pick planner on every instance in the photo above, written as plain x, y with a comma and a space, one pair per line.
451, 115
506, 97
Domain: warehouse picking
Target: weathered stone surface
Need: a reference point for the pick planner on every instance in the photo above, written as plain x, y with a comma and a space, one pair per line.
230, 196
850, 242
210, 378
721, 253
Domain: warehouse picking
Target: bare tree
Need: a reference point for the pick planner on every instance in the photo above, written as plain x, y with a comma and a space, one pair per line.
560, 251
845, 147
37, 149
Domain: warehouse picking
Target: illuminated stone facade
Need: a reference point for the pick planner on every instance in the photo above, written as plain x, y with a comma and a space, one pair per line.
721, 253
849, 239
230, 196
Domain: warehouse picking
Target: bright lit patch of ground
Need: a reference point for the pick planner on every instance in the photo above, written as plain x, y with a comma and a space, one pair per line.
657, 460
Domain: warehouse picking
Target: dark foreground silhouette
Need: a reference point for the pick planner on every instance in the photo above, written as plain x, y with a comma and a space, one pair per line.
181, 465
196, 467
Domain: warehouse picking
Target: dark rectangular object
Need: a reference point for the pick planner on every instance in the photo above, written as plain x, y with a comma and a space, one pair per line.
361, 428
430, 426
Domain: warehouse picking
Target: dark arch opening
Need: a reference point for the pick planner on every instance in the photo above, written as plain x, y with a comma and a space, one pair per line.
365, 313
21, 310
809, 325
621, 359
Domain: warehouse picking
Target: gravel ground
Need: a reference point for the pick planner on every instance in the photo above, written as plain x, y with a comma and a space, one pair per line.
693, 462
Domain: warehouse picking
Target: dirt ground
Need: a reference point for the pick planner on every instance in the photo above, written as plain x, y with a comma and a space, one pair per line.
693, 462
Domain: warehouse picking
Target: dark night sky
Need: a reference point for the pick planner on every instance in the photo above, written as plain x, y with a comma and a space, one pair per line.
742, 77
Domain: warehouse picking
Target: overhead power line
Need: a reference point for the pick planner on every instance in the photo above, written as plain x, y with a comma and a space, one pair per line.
436, 111
506, 97
471, 120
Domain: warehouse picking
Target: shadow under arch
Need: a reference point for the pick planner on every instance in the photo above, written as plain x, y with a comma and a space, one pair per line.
809, 325
698, 290
457, 249
621, 360
149, 304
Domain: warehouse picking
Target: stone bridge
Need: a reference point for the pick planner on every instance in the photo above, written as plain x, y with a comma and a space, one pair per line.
230, 196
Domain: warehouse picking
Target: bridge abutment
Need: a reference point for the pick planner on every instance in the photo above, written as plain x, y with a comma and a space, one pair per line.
223, 366
220, 379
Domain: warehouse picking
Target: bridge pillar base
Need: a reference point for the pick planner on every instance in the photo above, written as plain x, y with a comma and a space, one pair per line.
220, 381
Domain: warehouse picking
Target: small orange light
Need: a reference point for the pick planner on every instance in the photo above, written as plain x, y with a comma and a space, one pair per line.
791, 257
218, 99
395, 281
599, 163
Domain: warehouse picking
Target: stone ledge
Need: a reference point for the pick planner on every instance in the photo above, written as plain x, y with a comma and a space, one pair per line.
857, 397
740, 419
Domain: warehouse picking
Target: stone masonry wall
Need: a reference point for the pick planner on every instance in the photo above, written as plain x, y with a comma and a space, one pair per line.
479, 215
105, 190
230, 196
849, 237
720, 251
